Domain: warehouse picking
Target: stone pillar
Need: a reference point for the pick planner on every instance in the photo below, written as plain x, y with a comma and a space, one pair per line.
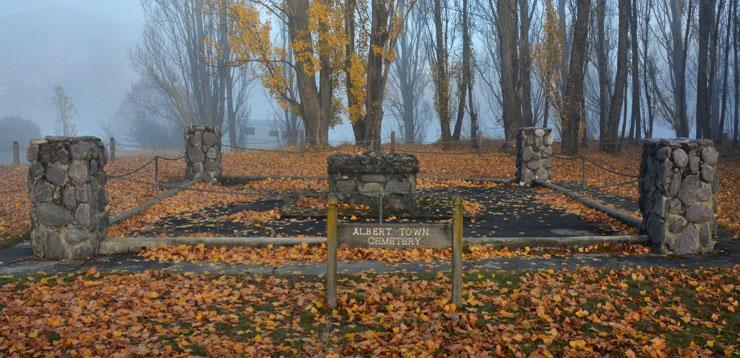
203, 153
66, 182
678, 182
533, 155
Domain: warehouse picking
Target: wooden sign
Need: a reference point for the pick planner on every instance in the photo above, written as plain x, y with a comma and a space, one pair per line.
397, 236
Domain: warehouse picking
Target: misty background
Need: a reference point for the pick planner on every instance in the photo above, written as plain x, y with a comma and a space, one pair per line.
84, 46
88, 48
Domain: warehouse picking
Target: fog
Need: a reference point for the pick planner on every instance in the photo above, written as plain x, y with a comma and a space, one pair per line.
81, 45
85, 46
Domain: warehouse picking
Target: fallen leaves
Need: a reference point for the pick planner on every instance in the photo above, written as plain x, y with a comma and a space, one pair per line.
561, 201
512, 314
125, 195
277, 255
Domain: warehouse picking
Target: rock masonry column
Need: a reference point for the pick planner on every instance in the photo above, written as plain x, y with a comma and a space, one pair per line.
533, 155
363, 178
203, 153
678, 182
66, 182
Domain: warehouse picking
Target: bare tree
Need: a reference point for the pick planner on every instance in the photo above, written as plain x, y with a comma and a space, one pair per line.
573, 102
408, 79
601, 47
466, 79
291, 126
703, 81
611, 138
674, 37
440, 44
726, 75
185, 53
507, 31
648, 65
635, 79
736, 70
64, 112
525, 64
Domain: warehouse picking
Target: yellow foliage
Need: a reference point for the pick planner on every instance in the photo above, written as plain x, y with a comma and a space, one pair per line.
548, 58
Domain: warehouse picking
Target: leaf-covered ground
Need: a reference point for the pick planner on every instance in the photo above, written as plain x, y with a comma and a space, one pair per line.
502, 210
651, 312
131, 191
317, 253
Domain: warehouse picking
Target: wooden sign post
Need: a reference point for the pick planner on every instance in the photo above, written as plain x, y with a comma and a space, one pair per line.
395, 236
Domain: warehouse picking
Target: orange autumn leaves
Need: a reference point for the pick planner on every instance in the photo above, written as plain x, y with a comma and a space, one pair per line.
280, 255
125, 195
652, 312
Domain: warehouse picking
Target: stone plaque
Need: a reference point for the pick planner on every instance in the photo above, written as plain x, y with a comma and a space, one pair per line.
394, 235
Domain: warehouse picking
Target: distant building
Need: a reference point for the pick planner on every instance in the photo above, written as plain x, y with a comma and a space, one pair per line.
262, 134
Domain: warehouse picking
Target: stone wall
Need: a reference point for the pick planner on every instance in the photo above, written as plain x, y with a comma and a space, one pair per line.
678, 182
66, 182
362, 178
203, 153
533, 155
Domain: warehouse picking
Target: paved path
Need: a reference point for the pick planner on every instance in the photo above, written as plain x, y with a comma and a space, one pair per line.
22, 263
509, 211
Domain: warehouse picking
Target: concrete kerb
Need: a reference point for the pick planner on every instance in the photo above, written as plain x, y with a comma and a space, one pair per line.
149, 203
112, 246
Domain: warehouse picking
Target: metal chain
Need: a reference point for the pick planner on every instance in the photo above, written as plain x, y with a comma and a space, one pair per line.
132, 171
594, 163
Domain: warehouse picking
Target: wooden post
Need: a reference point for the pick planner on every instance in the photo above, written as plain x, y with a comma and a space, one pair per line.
156, 175
457, 233
16, 153
112, 149
331, 252
583, 172
393, 142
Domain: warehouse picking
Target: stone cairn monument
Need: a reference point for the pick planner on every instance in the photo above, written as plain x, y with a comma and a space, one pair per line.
678, 182
533, 155
66, 184
363, 178
203, 153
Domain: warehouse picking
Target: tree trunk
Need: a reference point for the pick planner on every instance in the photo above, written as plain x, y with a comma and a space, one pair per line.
462, 90
646, 65
624, 118
525, 64
703, 88
602, 62
725, 73
508, 74
713, 85
620, 80
735, 46
574, 85
565, 56
315, 105
636, 112
680, 45
441, 78
546, 115
352, 102
378, 59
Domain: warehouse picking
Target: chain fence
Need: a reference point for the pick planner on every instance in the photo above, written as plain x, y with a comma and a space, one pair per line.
298, 147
